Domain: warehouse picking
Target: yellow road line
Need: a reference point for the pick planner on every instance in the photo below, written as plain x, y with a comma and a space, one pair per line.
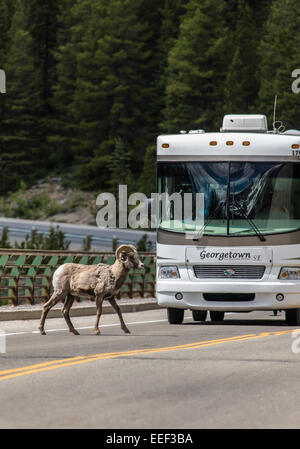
79, 360
134, 351
24, 368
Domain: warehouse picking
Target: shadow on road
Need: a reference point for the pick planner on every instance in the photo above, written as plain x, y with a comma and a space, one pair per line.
230, 322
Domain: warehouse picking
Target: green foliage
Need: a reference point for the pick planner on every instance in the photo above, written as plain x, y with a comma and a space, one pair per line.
144, 244
55, 240
91, 83
241, 85
44, 27
197, 68
5, 19
20, 124
87, 243
279, 52
71, 25
147, 181
118, 164
21, 205
111, 88
171, 16
4, 239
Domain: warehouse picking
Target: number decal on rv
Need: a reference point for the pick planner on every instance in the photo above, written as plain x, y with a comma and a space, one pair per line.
296, 152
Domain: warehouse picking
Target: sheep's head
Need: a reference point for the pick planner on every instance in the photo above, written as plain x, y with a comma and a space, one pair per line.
128, 256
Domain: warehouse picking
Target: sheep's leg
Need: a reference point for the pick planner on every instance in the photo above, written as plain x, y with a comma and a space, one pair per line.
57, 296
65, 311
99, 301
115, 305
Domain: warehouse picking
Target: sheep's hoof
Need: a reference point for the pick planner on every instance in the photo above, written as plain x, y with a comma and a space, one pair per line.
42, 332
97, 332
127, 331
75, 332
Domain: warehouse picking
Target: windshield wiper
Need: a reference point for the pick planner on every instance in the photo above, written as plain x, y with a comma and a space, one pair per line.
196, 239
244, 214
252, 224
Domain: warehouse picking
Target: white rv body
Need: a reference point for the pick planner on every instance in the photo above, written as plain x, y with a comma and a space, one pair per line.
238, 271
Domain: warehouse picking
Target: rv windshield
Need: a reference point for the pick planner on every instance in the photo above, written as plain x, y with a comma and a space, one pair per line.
240, 198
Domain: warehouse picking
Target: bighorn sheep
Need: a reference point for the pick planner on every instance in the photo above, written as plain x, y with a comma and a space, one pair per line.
100, 281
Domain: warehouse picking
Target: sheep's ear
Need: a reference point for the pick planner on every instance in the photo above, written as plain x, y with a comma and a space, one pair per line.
123, 257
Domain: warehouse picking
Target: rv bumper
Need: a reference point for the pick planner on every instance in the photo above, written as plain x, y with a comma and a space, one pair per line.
268, 295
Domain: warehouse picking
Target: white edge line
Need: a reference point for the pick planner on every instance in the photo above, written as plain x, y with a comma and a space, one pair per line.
92, 327
87, 327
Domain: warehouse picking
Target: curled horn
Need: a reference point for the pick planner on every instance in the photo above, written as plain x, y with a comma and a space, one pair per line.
126, 249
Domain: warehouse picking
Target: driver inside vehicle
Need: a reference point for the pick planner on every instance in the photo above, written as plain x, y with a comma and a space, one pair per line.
278, 206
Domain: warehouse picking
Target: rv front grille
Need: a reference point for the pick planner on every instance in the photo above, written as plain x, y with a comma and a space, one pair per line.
229, 271
229, 297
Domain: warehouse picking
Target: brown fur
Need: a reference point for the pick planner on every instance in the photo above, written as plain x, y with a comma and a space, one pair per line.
95, 281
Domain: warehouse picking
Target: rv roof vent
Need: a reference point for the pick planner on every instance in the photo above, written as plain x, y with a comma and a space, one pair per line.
196, 131
245, 122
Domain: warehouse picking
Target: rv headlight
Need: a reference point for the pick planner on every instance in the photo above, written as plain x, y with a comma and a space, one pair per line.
289, 273
168, 272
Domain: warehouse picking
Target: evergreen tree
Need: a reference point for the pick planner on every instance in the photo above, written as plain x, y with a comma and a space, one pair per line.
171, 15
55, 240
44, 26
260, 11
19, 156
197, 67
62, 121
112, 91
171, 12
6, 13
5, 19
4, 238
241, 84
87, 243
90, 82
88, 110
150, 14
119, 165
147, 181
280, 54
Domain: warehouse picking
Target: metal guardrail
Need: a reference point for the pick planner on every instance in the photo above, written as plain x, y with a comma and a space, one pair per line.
79, 238
25, 276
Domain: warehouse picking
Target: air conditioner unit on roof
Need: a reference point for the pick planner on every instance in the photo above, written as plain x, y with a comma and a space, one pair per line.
245, 122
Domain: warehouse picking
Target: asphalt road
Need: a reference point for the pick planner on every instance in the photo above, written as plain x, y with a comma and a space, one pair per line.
242, 373
101, 238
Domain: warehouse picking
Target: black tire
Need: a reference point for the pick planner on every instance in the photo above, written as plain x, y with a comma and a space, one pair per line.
292, 317
199, 315
175, 316
216, 315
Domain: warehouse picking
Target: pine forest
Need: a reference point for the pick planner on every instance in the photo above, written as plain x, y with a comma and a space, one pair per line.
91, 83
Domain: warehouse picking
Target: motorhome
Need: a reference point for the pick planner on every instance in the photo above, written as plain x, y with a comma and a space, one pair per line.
245, 255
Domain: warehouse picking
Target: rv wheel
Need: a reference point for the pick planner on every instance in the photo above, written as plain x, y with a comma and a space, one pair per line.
216, 315
292, 317
199, 315
175, 316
